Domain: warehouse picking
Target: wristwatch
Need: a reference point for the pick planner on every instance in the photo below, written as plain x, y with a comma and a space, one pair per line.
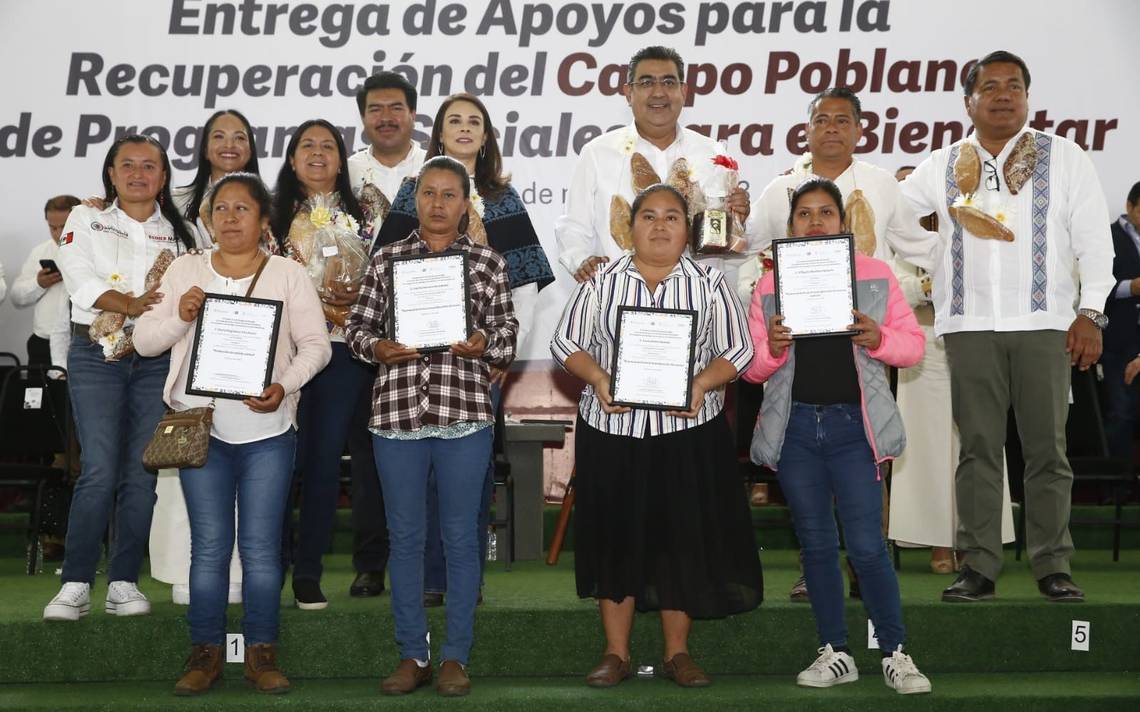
1095, 317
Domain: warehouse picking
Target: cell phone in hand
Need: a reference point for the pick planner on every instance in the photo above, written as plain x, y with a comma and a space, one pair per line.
49, 265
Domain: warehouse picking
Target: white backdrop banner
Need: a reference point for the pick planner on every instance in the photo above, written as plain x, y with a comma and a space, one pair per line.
79, 74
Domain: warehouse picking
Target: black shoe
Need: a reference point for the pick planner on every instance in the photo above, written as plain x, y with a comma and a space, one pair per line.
307, 595
969, 587
367, 584
1060, 588
433, 599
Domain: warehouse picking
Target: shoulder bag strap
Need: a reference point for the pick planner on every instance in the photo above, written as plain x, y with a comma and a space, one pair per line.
257, 275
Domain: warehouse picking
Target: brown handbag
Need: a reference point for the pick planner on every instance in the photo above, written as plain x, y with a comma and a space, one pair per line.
182, 438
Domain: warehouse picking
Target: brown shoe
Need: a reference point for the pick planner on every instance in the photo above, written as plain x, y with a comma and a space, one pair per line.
682, 670
261, 669
407, 677
203, 670
799, 593
609, 672
453, 680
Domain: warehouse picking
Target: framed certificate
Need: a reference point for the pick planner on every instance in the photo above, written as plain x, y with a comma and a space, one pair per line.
654, 351
234, 346
815, 284
428, 301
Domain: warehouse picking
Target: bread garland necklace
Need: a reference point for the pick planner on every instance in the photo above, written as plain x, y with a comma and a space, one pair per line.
1016, 170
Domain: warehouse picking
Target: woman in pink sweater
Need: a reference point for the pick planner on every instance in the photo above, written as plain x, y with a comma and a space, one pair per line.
827, 422
252, 441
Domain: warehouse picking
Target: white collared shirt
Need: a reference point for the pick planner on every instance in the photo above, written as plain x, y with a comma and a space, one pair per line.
107, 249
52, 314
897, 232
603, 170
1061, 256
589, 323
364, 168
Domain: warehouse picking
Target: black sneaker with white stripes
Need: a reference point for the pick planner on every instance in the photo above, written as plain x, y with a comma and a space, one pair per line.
832, 667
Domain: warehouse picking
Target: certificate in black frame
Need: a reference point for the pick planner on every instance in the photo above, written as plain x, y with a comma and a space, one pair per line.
268, 366
392, 306
615, 374
781, 241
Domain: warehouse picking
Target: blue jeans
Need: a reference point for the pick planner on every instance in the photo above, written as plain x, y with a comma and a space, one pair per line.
116, 407
435, 563
257, 476
825, 459
460, 468
1119, 406
324, 416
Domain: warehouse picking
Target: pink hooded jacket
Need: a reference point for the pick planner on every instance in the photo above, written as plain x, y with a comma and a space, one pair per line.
903, 343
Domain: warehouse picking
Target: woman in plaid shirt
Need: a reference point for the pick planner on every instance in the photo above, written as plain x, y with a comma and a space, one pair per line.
433, 411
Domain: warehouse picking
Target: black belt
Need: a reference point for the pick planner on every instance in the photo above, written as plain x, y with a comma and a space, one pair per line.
78, 329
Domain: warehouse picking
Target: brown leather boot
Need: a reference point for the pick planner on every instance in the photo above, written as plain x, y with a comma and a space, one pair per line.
203, 670
261, 669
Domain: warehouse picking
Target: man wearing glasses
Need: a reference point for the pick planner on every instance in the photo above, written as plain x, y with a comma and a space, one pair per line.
1018, 296
655, 91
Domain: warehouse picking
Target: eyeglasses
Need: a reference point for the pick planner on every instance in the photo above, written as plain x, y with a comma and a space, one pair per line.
992, 180
649, 83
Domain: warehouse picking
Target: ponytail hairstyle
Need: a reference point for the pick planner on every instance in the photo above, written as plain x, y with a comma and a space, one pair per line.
165, 201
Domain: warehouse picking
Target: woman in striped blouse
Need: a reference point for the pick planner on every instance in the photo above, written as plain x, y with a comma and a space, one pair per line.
661, 522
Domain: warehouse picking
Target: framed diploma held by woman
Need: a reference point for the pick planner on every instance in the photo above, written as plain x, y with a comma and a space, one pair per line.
815, 284
428, 304
654, 351
234, 346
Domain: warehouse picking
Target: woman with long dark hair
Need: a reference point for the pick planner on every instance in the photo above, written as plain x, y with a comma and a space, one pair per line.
110, 259
316, 169
225, 145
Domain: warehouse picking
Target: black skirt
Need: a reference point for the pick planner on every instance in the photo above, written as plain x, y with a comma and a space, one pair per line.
665, 519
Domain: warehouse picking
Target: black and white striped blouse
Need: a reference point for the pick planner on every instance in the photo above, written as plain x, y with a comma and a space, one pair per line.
589, 323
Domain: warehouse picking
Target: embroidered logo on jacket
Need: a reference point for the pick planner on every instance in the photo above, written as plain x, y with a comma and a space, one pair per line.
67, 239
100, 227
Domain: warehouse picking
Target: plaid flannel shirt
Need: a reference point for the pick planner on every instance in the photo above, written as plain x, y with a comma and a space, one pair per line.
438, 388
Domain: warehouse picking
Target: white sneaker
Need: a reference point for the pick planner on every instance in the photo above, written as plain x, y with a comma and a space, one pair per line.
125, 599
71, 603
832, 667
180, 594
901, 675
234, 596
